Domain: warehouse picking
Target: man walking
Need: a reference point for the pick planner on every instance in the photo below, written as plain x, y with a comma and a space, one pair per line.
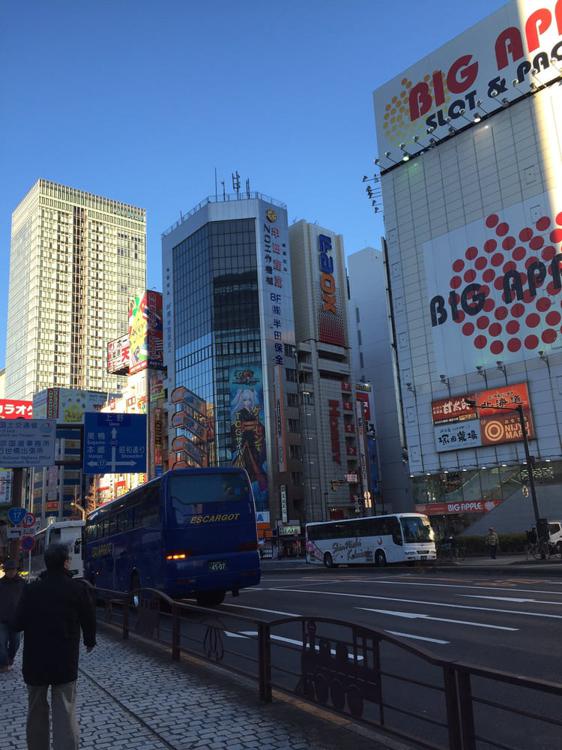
51, 612
492, 542
11, 588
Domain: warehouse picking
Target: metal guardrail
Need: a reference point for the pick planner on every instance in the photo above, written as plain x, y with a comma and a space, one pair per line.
354, 671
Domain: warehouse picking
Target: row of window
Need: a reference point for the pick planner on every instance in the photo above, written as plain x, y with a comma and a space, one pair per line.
383, 526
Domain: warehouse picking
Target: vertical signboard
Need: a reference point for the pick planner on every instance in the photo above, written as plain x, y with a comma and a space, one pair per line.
330, 314
145, 332
248, 434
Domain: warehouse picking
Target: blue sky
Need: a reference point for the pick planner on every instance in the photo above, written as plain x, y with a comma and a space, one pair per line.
140, 100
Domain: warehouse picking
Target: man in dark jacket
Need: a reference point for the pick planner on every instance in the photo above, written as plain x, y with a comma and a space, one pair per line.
51, 612
11, 588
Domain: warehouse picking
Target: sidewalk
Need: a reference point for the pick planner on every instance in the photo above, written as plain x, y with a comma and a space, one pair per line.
131, 697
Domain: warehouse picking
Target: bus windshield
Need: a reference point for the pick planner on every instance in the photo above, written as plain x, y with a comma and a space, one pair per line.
189, 493
416, 529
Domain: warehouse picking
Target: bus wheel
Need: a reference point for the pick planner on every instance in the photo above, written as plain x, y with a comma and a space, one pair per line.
380, 558
329, 561
135, 593
210, 598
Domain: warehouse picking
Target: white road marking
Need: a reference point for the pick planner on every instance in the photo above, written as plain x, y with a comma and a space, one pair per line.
459, 586
419, 616
417, 637
431, 604
509, 599
283, 639
260, 609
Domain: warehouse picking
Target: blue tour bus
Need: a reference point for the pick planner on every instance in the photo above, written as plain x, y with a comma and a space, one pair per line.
188, 533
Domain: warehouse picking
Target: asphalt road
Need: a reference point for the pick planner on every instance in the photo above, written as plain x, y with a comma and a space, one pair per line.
512, 624
501, 622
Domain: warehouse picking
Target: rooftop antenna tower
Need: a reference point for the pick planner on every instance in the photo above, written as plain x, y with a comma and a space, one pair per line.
236, 183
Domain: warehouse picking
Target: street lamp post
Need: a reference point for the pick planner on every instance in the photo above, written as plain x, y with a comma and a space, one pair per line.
80, 508
528, 458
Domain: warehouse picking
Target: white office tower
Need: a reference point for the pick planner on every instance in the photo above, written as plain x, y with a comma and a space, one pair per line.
371, 341
75, 260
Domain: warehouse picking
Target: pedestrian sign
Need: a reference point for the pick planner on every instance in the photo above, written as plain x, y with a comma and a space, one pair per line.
114, 443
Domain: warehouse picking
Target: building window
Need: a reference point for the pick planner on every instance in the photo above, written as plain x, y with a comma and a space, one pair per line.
357, 314
359, 341
291, 374
294, 425
361, 360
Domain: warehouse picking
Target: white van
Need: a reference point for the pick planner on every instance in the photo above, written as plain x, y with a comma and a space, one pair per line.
60, 532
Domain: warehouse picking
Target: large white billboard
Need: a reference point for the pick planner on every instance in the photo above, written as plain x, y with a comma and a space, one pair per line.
494, 287
504, 57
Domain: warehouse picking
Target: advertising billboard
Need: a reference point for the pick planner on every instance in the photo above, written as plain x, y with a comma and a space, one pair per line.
445, 509
493, 421
248, 434
494, 287
68, 405
118, 356
330, 315
13, 409
145, 332
505, 56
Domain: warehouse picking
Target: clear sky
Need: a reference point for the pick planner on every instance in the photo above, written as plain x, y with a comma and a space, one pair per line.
140, 100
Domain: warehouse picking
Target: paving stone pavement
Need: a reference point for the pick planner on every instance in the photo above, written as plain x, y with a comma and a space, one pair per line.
133, 698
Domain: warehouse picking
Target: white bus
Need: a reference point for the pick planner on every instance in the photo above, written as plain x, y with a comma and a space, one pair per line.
376, 539
60, 532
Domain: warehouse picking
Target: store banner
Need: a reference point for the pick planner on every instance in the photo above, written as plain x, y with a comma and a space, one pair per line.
470, 506
493, 421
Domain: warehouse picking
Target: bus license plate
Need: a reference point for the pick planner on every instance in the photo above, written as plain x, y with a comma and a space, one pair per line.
423, 557
217, 565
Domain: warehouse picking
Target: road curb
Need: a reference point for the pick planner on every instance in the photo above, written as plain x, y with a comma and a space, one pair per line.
530, 569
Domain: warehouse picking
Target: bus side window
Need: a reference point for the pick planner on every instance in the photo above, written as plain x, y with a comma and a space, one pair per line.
394, 529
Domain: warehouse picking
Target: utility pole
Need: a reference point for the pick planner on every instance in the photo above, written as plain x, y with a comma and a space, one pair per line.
540, 526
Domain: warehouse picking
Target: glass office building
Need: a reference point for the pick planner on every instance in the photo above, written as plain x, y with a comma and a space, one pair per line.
229, 346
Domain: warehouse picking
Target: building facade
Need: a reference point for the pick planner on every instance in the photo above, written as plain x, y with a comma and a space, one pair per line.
471, 179
229, 347
334, 482
374, 362
75, 260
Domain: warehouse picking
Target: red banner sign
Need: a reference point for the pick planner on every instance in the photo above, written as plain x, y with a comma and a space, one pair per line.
469, 506
10, 409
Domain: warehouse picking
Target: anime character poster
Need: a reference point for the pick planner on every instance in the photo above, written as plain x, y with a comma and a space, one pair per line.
248, 428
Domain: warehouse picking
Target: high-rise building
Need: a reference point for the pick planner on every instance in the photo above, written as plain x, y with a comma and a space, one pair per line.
372, 348
470, 151
75, 260
335, 480
229, 346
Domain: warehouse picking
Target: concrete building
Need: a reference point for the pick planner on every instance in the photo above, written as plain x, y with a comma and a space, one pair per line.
334, 478
470, 151
229, 347
374, 362
75, 260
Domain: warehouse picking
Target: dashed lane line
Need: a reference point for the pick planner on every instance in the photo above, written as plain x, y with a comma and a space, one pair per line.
430, 604
261, 609
418, 637
420, 616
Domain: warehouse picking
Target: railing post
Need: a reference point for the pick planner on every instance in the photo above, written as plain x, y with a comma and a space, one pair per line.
452, 704
175, 633
126, 604
466, 710
264, 662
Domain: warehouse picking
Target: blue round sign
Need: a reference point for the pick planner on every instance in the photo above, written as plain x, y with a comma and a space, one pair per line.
16, 515
27, 543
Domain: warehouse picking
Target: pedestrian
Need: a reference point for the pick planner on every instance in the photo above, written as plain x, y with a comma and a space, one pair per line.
11, 589
51, 612
492, 542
